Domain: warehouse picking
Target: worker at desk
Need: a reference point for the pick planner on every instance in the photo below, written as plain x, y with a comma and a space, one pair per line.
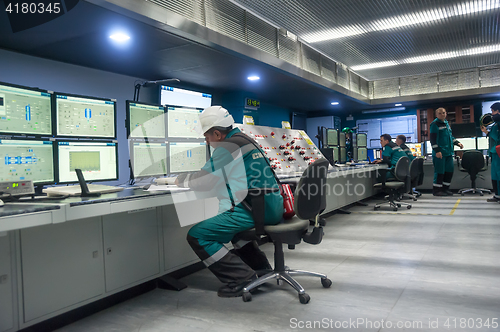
442, 142
401, 142
494, 141
390, 154
235, 166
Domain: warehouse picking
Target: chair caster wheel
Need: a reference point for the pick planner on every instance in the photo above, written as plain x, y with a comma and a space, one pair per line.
395, 209
398, 205
326, 282
414, 199
481, 194
247, 297
408, 207
304, 298
279, 282
462, 194
375, 208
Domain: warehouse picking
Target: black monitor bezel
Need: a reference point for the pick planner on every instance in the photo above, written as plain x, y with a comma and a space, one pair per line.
80, 136
127, 119
55, 168
131, 143
52, 115
86, 141
207, 155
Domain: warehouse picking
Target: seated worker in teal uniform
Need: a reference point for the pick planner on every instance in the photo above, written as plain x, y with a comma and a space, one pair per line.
390, 154
442, 142
401, 142
235, 166
494, 140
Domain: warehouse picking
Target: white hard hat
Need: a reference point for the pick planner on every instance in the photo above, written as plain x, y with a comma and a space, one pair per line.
215, 116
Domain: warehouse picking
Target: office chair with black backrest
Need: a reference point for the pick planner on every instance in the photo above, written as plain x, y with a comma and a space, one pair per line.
420, 180
414, 177
473, 163
395, 188
310, 201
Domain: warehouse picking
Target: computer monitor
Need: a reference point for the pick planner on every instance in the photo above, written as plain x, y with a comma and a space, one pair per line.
336, 154
460, 130
145, 120
186, 157
184, 98
343, 155
27, 160
342, 139
332, 137
97, 160
24, 110
361, 140
80, 116
428, 147
416, 149
469, 143
360, 154
183, 122
482, 143
148, 159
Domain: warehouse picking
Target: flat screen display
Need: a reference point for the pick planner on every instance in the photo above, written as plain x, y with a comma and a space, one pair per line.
187, 157
332, 137
25, 111
149, 159
145, 121
187, 98
27, 160
469, 143
85, 116
416, 149
97, 160
482, 143
183, 122
342, 139
361, 140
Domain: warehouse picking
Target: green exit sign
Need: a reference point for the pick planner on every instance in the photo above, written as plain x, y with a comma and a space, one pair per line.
252, 103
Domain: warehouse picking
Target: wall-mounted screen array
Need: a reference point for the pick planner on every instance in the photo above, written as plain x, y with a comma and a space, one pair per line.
25, 111
148, 159
145, 120
78, 116
332, 137
185, 98
183, 122
97, 160
27, 160
187, 157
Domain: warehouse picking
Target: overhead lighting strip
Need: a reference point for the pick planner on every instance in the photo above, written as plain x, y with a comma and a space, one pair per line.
431, 57
431, 15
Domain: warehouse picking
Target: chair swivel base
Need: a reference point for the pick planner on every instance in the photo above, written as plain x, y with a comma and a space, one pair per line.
481, 191
392, 203
286, 276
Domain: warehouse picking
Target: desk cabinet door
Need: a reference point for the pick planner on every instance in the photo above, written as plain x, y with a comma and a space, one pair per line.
6, 298
131, 247
62, 265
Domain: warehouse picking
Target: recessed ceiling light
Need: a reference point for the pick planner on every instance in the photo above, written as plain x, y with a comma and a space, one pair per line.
398, 105
335, 103
120, 37
375, 65
253, 78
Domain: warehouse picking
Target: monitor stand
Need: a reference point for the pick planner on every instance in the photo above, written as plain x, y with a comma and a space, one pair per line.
83, 185
38, 191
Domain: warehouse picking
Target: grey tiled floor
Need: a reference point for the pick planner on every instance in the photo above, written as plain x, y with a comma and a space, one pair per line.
436, 263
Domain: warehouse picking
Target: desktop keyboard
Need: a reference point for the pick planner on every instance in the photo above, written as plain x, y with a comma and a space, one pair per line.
75, 190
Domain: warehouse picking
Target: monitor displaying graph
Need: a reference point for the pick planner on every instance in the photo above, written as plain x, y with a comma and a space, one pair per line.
97, 160
332, 137
145, 120
27, 160
183, 122
25, 111
85, 116
148, 159
187, 157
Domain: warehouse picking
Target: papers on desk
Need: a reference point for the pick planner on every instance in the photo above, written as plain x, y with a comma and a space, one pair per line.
166, 187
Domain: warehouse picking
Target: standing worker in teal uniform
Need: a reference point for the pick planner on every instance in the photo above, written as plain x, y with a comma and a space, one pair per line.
494, 141
442, 142
348, 142
390, 155
235, 166
401, 142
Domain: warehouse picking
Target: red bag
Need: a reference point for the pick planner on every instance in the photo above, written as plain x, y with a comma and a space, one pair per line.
498, 150
288, 200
